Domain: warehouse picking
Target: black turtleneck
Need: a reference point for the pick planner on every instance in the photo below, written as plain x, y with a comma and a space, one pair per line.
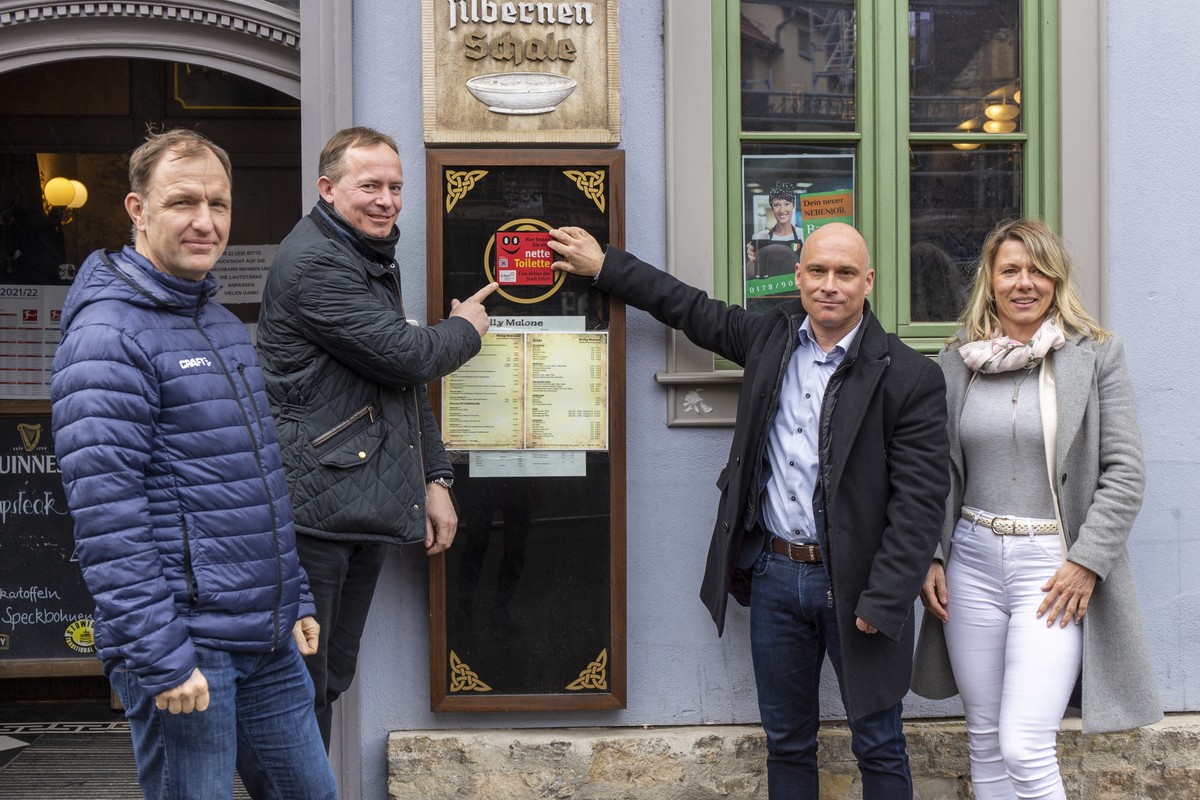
381, 250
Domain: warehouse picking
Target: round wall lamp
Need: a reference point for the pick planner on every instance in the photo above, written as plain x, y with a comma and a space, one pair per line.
63, 196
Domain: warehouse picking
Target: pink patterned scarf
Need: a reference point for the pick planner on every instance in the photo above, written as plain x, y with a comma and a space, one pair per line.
1003, 354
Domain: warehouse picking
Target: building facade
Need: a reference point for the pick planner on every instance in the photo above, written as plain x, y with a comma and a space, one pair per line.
704, 91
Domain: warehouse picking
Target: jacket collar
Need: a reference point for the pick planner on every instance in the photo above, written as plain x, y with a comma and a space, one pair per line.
869, 339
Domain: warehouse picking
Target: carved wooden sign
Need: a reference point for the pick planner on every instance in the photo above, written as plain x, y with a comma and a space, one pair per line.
500, 71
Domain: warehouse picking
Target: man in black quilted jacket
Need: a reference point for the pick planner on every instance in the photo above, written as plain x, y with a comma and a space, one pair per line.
346, 376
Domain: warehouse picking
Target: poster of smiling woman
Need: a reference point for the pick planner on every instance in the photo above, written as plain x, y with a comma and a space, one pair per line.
785, 198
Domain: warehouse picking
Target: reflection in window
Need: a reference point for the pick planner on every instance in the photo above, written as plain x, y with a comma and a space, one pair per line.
956, 198
964, 66
798, 63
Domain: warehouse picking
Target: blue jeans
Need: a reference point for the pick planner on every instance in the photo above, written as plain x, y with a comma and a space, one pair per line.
792, 626
259, 720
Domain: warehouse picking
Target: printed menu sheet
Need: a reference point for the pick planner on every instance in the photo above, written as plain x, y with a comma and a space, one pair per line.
530, 391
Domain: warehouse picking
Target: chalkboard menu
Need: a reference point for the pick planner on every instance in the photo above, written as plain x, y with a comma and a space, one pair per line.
45, 608
528, 605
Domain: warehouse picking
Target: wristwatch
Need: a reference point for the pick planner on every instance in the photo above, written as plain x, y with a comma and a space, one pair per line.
445, 483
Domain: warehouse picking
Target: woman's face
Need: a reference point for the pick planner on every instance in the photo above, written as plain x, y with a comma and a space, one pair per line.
1023, 292
783, 210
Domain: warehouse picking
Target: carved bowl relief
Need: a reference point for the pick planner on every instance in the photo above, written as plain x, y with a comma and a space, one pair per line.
521, 92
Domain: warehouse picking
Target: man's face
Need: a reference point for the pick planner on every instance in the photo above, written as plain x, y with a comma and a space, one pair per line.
367, 195
183, 218
782, 209
834, 277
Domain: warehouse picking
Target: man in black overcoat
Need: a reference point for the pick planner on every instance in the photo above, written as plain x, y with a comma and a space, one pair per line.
831, 500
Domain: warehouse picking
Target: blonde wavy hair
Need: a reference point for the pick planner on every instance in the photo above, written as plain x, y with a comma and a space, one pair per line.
1049, 253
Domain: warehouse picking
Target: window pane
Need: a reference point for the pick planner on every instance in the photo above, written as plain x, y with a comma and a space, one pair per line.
964, 65
798, 62
788, 191
957, 197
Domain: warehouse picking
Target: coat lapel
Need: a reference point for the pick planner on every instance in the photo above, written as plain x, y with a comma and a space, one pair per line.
1073, 369
958, 377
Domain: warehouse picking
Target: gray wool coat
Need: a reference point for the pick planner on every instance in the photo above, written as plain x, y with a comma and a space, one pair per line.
1100, 476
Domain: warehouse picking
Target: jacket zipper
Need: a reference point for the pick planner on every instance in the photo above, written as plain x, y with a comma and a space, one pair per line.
241, 368
188, 574
275, 612
835, 381
366, 411
419, 420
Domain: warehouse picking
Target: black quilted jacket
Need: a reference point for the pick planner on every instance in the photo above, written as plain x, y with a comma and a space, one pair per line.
346, 377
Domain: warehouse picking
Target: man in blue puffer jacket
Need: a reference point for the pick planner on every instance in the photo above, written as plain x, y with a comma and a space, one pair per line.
182, 521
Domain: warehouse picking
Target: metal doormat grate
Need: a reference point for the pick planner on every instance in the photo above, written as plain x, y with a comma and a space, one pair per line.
74, 761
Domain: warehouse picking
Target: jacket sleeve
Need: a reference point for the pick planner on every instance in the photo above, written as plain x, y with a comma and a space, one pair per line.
105, 402
339, 313
723, 329
437, 463
1118, 495
917, 455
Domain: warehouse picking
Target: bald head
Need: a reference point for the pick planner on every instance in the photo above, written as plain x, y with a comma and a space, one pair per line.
845, 238
834, 277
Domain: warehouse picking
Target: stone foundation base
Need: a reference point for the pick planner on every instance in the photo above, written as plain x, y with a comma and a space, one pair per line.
1161, 762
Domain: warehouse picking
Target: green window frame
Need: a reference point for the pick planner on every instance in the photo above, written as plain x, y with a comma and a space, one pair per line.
882, 139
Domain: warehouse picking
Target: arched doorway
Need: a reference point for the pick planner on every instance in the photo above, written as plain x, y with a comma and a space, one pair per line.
79, 86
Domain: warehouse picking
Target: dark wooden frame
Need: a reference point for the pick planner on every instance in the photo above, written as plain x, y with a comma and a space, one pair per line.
440, 698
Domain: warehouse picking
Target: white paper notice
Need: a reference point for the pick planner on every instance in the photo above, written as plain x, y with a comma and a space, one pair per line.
242, 273
29, 335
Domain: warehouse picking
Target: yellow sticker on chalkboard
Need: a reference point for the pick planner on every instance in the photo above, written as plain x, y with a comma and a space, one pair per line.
79, 636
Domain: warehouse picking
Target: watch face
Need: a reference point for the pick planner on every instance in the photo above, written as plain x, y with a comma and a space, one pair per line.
447, 482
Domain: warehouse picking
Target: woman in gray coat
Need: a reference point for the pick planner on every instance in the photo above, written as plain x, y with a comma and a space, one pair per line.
1045, 461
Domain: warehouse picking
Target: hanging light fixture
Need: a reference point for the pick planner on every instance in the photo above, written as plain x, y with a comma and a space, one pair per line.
967, 127
999, 126
1002, 111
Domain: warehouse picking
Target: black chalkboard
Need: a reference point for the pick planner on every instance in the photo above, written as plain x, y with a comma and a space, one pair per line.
45, 608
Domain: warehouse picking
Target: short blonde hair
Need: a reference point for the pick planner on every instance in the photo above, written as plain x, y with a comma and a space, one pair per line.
1048, 252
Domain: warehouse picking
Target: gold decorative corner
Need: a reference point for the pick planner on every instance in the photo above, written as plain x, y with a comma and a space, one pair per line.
594, 677
590, 183
463, 678
459, 183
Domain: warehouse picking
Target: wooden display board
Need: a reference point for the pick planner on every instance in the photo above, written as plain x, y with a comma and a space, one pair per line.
45, 608
527, 609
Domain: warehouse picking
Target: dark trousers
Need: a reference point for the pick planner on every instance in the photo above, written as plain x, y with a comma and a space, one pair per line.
342, 578
792, 626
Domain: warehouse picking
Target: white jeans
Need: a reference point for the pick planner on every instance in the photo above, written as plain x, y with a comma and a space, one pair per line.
1015, 674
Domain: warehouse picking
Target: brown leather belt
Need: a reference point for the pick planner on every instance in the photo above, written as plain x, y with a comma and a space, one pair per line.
801, 553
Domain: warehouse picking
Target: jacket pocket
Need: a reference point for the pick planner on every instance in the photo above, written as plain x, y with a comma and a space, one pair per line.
189, 571
351, 442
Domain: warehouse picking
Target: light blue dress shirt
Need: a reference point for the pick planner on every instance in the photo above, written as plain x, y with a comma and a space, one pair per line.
792, 442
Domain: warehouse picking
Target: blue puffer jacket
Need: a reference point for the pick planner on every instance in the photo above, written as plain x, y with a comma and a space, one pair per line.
172, 472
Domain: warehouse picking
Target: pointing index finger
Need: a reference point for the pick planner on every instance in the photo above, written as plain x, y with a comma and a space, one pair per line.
482, 294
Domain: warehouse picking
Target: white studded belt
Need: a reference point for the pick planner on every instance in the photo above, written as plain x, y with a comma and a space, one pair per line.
1010, 526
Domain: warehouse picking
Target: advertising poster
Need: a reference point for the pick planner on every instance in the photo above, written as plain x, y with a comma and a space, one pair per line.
787, 197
